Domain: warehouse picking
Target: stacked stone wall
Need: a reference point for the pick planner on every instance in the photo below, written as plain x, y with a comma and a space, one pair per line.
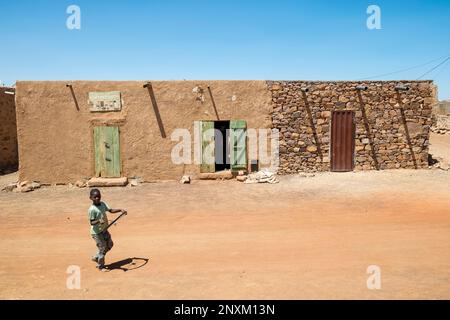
391, 127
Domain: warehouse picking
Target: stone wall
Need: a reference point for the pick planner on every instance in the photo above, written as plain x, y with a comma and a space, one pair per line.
392, 128
8, 132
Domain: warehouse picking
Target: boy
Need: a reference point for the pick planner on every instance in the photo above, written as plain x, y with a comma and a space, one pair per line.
99, 221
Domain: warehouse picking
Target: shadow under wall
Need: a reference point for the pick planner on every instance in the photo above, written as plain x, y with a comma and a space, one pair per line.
368, 130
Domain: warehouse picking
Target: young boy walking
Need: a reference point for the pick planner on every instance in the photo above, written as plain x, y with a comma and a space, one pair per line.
99, 221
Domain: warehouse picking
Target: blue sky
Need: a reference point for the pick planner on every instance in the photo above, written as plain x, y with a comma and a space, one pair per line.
199, 39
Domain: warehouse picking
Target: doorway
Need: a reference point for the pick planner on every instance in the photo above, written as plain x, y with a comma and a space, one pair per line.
222, 145
107, 152
342, 141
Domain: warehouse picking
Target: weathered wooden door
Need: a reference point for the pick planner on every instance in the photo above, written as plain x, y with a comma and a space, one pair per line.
207, 137
342, 141
107, 152
238, 145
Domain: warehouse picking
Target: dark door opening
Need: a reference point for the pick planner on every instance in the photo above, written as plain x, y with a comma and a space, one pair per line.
342, 141
222, 141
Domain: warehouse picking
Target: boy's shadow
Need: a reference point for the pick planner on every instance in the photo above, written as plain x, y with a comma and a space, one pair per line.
127, 264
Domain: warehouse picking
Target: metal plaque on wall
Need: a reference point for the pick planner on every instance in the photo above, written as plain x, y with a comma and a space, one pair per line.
105, 101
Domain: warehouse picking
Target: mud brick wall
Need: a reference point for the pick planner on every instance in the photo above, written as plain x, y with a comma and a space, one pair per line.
8, 131
55, 126
384, 119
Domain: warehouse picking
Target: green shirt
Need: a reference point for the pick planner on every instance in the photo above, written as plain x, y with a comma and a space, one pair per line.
98, 213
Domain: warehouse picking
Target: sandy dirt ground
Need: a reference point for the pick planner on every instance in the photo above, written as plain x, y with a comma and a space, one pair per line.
440, 147
305, 238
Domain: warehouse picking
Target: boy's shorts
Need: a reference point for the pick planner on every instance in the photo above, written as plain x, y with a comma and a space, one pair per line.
104, 244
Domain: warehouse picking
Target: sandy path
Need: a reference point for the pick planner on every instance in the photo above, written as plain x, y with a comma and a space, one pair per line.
303, 238
440, 146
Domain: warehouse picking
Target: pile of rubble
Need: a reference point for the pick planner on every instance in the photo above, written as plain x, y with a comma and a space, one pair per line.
25, 186
441, 124
263, 176
28, 186
438, 163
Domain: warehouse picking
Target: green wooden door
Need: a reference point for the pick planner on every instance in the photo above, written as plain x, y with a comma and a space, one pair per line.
208, 147
238, 145
107, 152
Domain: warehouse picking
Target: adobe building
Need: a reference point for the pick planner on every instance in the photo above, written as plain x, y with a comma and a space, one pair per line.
82, 129
8, 131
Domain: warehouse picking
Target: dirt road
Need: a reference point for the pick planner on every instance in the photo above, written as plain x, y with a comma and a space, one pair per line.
304, 238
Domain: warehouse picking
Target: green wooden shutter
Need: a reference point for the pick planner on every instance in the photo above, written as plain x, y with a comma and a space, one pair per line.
107, 152
115, 152
98, 151
238, 145
207, 138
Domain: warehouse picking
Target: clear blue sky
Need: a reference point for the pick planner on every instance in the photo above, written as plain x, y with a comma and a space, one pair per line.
223, 39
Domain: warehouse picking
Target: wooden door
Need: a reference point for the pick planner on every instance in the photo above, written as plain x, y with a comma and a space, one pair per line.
208, 147
238, 145
107, 152
342, 141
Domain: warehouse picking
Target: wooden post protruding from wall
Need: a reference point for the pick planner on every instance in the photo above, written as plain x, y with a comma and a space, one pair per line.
149, 87
69, 85
213, 103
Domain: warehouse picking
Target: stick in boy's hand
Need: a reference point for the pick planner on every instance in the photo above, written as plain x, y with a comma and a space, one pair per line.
124, 213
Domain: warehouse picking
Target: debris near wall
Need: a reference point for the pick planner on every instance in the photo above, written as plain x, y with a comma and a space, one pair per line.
392, 127
23, 187
437, 162
263, 176
185, 179
135, 181
441, 124
81, 184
